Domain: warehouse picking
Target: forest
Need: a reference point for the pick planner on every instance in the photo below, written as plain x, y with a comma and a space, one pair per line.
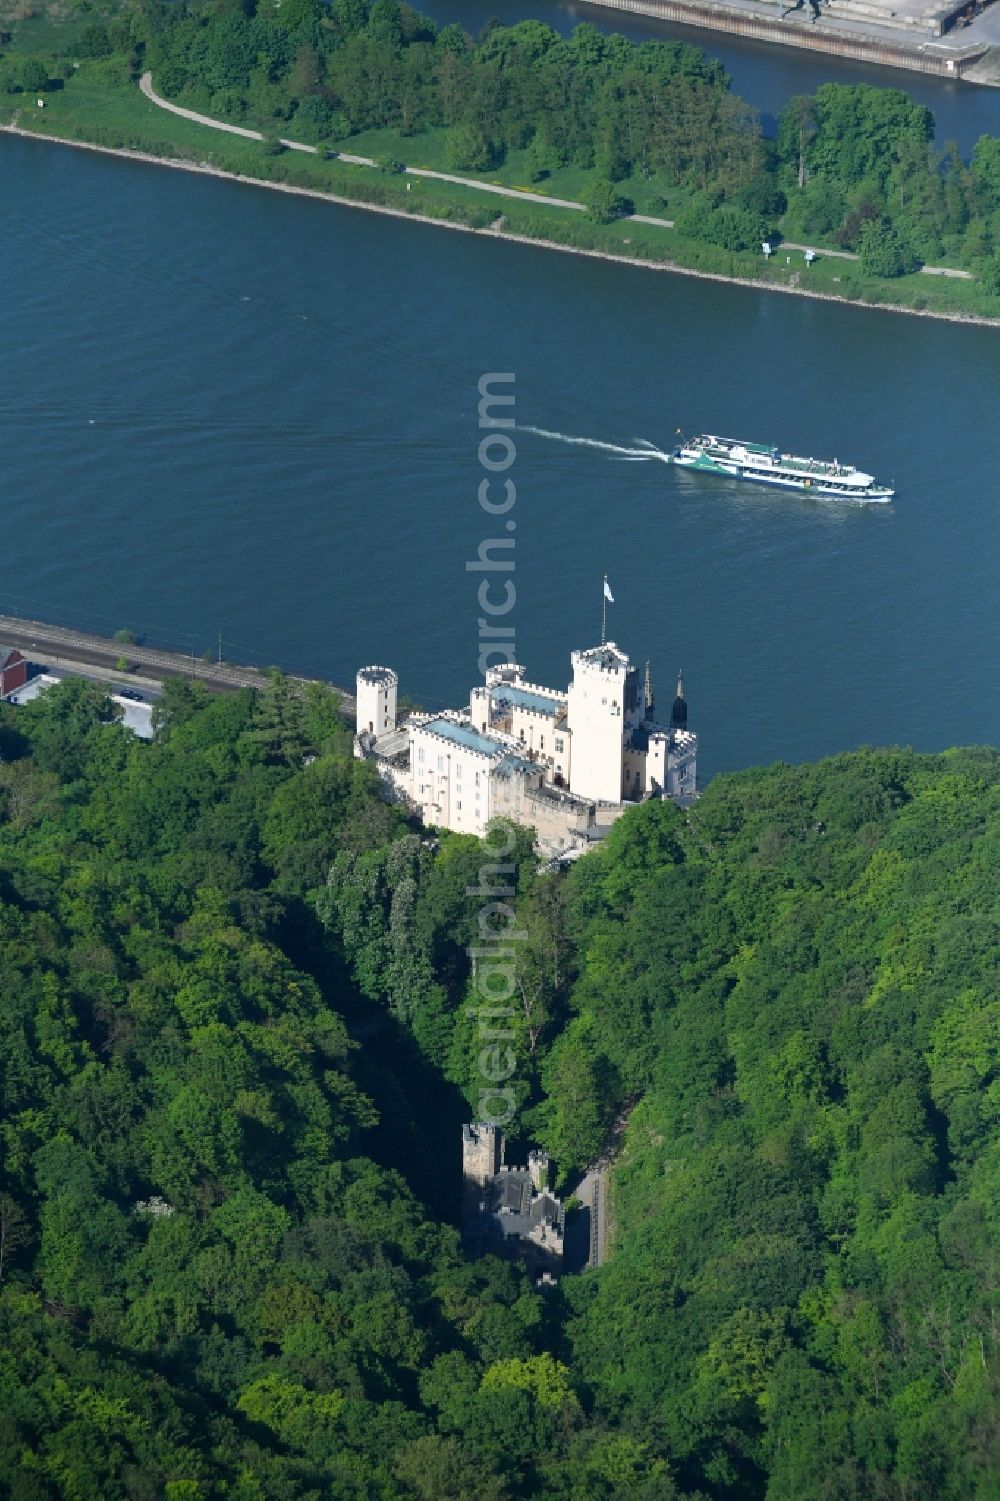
237, 1049
852, 166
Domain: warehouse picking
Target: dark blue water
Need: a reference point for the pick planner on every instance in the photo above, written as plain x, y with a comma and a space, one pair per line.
228, 408
765, 75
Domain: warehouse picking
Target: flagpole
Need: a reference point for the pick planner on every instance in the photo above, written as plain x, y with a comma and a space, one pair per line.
604, 614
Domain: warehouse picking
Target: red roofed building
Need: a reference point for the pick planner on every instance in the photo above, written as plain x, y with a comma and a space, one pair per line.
13, 670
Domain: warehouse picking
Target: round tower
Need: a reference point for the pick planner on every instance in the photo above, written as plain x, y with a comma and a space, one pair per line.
376, 690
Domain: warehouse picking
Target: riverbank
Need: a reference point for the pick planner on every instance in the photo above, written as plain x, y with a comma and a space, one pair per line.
498, 229
67, 648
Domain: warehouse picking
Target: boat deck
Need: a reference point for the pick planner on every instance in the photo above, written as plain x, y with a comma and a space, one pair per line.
797, 464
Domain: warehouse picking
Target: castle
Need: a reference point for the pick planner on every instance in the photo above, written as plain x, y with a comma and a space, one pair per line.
509, 1211
563, 762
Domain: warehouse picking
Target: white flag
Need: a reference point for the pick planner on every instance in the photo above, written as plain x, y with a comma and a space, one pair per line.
607, 592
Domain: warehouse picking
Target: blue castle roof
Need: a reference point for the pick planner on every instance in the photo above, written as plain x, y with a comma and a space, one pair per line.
461, 734
523, 698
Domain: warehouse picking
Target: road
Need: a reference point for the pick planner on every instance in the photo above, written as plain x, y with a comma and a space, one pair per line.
136, 708
586, 1241
146, 85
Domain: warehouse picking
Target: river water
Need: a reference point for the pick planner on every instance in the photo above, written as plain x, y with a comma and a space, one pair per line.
223, 408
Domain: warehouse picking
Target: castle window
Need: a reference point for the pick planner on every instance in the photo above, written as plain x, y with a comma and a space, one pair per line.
459, 807
559, 744
440, 763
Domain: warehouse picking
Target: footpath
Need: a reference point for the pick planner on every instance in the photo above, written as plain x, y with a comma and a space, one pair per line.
146, 85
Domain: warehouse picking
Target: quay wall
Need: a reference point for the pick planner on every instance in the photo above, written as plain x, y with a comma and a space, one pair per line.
710, 15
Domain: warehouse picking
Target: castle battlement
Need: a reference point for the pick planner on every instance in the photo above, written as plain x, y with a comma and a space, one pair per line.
558, 761
604, 659
510, 1211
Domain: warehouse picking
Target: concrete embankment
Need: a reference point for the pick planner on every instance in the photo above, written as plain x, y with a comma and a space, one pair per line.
63, 647
951, 56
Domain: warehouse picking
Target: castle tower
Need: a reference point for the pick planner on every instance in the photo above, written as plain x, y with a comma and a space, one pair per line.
482, 1158
603, 690
679, 712
376, 690
538, 1167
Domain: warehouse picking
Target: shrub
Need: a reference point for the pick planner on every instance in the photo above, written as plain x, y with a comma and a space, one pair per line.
314, 115
989, 277
170, 79
848, 236
818, 208
476, 217
763, 197
604, 202
882, 251
469, 150
730, 226
94, 42
23, 74
541, 159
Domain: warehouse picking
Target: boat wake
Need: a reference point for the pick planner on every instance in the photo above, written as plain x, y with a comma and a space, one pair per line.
642, 452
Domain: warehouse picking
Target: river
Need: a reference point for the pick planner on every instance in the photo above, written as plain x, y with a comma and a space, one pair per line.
228, 409
766, 76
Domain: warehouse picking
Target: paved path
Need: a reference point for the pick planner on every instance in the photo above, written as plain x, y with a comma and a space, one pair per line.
591, 1192
146, 85
849, 255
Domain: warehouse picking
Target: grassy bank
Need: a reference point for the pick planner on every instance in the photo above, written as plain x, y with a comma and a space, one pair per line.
97, 105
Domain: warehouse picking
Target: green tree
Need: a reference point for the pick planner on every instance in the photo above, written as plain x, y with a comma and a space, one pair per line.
94, 41
33, 75
989, 276
604, 202
882, 252
468, 149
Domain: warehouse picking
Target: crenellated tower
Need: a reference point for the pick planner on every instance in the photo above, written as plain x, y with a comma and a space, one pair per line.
377, 688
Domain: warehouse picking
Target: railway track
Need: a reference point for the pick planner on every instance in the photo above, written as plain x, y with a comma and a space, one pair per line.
34, 637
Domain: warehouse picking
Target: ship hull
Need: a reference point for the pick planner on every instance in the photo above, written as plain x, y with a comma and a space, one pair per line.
812, 485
